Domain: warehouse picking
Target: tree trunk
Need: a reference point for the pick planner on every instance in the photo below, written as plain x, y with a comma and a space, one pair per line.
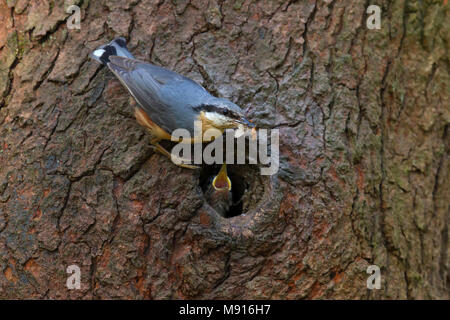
364, 175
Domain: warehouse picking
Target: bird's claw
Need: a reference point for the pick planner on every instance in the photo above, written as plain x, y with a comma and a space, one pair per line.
181, 161
187, 166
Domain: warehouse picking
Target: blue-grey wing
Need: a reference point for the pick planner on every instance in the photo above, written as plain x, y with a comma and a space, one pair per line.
166, 96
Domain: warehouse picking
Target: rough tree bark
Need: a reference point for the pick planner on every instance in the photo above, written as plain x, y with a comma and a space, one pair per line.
363, 118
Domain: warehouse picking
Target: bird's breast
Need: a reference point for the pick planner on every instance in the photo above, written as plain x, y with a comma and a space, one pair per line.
144, 120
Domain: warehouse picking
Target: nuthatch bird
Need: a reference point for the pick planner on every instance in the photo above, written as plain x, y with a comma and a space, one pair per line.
219, 194
168, 100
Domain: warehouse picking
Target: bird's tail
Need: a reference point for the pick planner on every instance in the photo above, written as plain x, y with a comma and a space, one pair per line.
117, 47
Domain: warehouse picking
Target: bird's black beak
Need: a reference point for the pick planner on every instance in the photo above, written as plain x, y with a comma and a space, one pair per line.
248, 125
221, 181
245, 122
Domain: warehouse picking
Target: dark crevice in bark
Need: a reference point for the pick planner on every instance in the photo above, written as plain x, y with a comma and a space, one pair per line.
277, 88
12, 17
383, 171
93, 271
8, 90
404, 29
138, 165
89, 172
307, 24
52, 131
226, 273
443, 268
63, 208
47, 73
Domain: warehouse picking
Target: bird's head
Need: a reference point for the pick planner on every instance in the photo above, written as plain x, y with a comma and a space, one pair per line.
223, 114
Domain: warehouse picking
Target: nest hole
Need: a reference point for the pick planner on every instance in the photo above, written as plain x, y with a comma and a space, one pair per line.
246, 186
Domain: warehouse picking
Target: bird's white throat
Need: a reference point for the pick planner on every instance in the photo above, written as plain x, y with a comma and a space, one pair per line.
218, 119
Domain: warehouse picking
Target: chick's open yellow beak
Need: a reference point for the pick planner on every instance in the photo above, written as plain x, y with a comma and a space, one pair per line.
221, 181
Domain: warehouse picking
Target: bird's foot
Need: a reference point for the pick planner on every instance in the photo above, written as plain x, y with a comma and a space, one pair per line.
179, 161
187, 166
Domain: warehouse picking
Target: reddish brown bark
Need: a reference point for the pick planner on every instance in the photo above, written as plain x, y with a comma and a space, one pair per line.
363, 118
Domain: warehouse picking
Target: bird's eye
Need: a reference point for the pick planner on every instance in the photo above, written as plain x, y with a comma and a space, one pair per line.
225, 112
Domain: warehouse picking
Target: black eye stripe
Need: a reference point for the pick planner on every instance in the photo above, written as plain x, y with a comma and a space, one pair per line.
205, 107
213, 108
